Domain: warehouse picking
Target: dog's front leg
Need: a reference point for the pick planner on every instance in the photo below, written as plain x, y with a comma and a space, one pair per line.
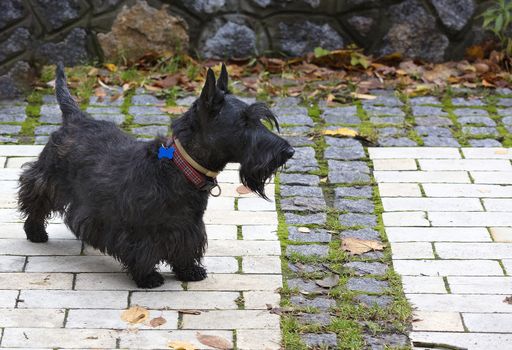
186, 261
141, 264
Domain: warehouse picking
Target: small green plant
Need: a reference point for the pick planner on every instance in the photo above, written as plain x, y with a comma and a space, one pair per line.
498, 19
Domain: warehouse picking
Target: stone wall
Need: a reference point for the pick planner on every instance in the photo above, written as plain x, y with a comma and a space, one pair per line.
36, 32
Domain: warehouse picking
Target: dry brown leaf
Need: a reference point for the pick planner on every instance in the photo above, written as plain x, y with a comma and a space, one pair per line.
174, 109
135, 314
157, 322
346, 132
356, 246
243, 189
190, 312
180, 345
508, 300
214, 341
329, 281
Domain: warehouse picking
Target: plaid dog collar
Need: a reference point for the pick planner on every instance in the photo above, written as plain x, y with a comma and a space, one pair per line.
202, 178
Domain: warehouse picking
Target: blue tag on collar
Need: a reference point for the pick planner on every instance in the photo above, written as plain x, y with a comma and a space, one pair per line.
165, 152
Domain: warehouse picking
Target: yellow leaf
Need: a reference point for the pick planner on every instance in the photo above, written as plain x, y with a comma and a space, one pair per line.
111, 67
363, 96
341, 132
135, 314
180, 345
501, 151
356, 246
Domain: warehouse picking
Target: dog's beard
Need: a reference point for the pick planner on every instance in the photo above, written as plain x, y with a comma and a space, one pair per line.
259, 166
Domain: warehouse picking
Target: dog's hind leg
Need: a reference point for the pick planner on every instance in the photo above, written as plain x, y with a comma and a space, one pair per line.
36, 201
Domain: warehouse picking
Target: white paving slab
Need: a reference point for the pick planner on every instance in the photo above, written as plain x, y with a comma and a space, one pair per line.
452, 244
61, 295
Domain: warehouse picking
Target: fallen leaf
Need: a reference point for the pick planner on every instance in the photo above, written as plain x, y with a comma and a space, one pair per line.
304, 230
356, 246
157, 322
501, 151
111, 67
363, 96
508, 300
190, 312
214, 341
174, 109
329, 281
135, 314
281, 310
346, 132
180, 345
243, 189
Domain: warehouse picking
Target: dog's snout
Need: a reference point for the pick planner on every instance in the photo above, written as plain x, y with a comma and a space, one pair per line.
289, 152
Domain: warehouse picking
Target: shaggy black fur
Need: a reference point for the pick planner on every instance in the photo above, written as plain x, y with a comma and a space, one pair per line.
116, 195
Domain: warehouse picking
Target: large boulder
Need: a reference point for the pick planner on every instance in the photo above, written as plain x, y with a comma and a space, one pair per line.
414, 33
141, 29
454, 14
17, 81
71, 51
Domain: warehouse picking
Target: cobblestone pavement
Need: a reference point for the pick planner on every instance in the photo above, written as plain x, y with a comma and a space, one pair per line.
326, 193
448, 216
64, 295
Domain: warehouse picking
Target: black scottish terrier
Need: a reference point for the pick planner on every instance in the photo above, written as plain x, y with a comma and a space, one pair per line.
143, 202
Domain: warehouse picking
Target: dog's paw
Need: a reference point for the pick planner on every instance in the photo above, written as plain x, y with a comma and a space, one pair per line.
190, 274
153, 280
39, 236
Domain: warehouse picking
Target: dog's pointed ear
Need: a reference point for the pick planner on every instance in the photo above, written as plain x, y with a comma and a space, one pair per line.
222, 83
209, 89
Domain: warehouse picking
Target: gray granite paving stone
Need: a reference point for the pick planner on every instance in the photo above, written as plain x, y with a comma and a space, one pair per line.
470, 112
386, 341
50, 99
480, 130
296, 130
318, 302
306, 204
434, 141
320, 340
505, 112
374, 300
117, 119
364, 233
186, 101
507, 102
347, 177
485, 143
341, 115
375, 111
299, 179
353, 191
295, 119
507, 120
315, 319
391, 131
433, 121
366, 285
304, 191
315, 235
301, 165
151, 119
146, 100
367, 268
459, 101
144, 110
289, 110
45, 129
424, 100
346, 153
396, 142
12, 114
286, 101
308, 268
358, 166
355, 205
387, 120
308, 250
152, 130
353, 220
295, 219
41, 140
50, 114
8, 129
9, 139
298, 141
103, 110
428, 111
384, 100
433, 131
304, 286
476, 120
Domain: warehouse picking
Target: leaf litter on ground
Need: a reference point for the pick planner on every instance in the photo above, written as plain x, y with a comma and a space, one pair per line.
356, 246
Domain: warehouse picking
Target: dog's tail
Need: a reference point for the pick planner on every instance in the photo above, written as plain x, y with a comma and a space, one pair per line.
68, 105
